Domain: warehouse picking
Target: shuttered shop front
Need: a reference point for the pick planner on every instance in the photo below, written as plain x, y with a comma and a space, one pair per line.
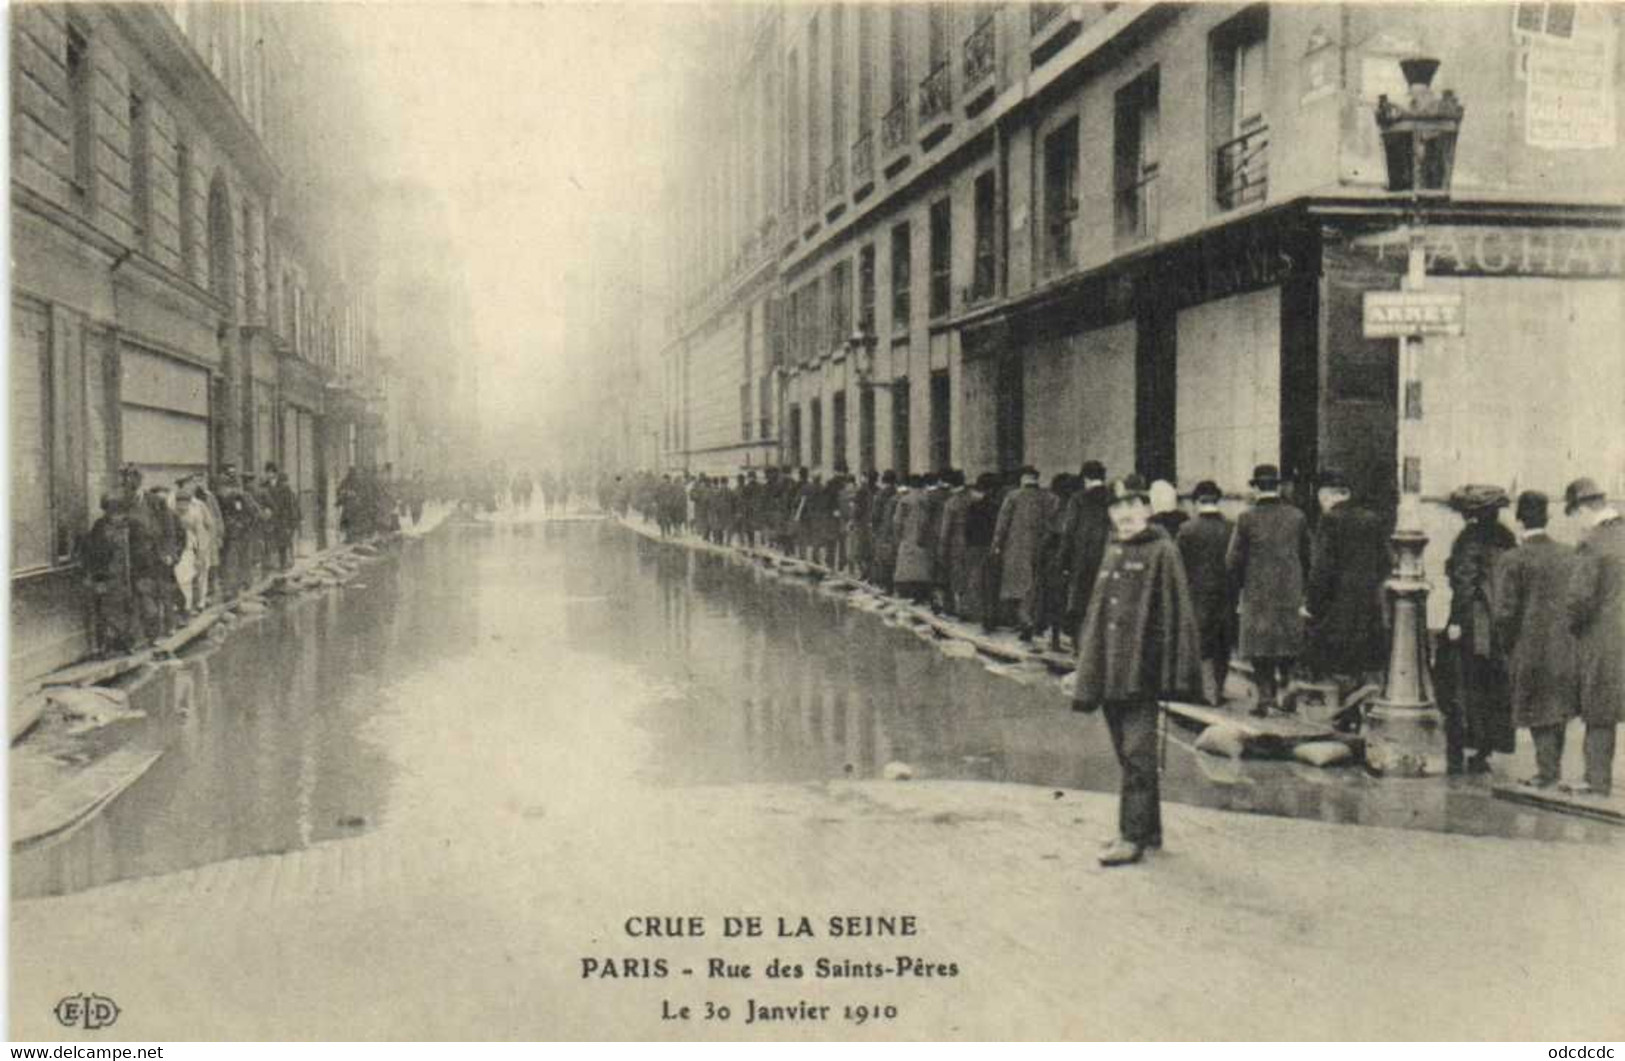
165, 414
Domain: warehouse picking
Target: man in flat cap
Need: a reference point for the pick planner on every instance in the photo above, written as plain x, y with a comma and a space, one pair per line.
1531, 586
1596, 613
1138, 644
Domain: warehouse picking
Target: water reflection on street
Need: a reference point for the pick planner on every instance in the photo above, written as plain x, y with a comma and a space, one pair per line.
269, 746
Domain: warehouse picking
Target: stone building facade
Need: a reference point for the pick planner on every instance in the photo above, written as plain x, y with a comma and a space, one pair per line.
1040, 233
192, 273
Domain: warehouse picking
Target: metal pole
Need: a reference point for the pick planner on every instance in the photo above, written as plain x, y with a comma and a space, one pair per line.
1403, 724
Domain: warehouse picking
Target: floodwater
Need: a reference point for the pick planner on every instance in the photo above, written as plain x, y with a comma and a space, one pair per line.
285, 735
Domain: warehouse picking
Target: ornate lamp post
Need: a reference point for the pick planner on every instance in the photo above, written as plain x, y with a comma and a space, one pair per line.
1419, 146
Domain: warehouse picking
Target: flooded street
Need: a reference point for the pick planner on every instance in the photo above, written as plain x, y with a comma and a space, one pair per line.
314, 723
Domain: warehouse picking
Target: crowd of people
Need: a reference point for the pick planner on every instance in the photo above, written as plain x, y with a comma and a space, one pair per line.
161, 554
1295, 590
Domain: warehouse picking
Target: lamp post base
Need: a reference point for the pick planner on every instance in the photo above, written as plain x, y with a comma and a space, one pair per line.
1404, 731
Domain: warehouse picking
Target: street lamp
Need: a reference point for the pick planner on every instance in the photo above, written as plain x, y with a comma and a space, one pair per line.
1419, 148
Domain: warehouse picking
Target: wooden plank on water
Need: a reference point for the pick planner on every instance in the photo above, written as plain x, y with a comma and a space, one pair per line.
1610, 809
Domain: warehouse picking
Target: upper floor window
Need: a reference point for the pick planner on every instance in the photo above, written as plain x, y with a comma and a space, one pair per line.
1060, 196
140, 170
1239, 126
1552, 19
901, 278
984, 272
866, 289
941, 257
840, 303
184, 207
1135, 157
81, 89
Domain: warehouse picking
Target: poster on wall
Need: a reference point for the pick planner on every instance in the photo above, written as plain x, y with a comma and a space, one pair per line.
1570, 93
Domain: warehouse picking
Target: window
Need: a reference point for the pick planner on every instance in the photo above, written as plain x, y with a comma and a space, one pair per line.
866, 430
749, 321
840, 303
764, 408
941, 421
941, 257
815, 130
81, 86
184, 196
901, 267
1135, 162
866, 67
900, 440
815, 431
837, 413
744, 411
140, 170
792, 135
1552, 19
984, 272
1239, 129
837, 83
1060, 196
898, 37
866, 289
251, 280
795, 436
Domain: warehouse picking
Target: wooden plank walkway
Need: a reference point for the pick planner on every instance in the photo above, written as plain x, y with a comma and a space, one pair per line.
75, 802
1610, 809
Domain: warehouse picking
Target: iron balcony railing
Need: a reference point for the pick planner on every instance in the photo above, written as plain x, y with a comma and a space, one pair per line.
835, 180
894, 127
979, 53
1242, 168
1137, 207
935, 94
863, 159
1041, 15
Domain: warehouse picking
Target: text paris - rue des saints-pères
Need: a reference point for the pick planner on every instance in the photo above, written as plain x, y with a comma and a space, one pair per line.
651, 930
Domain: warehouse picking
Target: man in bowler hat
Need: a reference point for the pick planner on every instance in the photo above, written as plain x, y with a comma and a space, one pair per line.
1203, 542
1596, 614
1138, 644
1266, 562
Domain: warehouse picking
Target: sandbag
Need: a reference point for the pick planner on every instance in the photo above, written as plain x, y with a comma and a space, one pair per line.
1222, 739
1322, 752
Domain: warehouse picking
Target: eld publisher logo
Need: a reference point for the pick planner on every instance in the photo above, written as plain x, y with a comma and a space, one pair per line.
90, 1012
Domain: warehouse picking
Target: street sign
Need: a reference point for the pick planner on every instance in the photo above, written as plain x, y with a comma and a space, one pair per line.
1396, 314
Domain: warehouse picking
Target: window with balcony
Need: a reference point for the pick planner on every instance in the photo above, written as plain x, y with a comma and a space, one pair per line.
984, 271
942, 258
1239, 126
866, 289
901, 278
1060, 197
795, 436
1135, 150
896, 125
837, 424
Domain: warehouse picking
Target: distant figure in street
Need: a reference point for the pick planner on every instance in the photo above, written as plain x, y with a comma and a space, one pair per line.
978, 585
1052, 581
885, 536
1268, 554
1138, 644
1085, 530
284, 506
200, 551
1531, 587
1024, 521
1165, 510
911, 522
948, 560
1471, 669
1596, 614
1203, 543
1343, 609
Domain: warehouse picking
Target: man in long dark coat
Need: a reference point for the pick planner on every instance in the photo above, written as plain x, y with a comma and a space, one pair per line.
948, 559
1472, 676
1203, 543
113, 551
977, 590
1085, 530
1596, 613
1025, 520
1531, 584
1268, 554
885, 506
1343, 603
1138, 643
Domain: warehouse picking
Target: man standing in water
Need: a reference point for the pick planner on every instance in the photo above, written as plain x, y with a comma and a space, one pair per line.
1139, 643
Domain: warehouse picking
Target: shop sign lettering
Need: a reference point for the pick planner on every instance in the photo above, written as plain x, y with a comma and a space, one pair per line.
1461, 250
1392, 314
